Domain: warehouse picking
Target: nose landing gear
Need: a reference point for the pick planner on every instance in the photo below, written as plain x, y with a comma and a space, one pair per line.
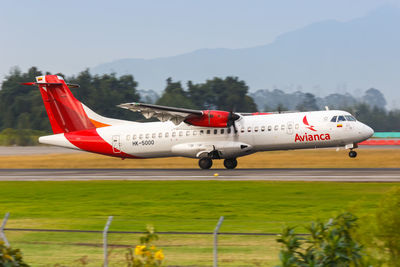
352, 154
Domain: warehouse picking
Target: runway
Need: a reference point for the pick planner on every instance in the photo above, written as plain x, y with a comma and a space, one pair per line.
322, 175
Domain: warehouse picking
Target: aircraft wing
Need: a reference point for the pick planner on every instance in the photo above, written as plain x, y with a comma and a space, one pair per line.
163, 113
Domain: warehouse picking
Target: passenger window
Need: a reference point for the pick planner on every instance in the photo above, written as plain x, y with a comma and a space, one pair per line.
290, 126
262, 128
201, 132
276, 128
159, 135
334, 119
242, 130
297, 126
180, 133
256, 129
341, 118
166, 134
153, 135
194, 132
128, 137
269, 128
187, 133
208, 131
140, 136
134, 137
282, 127
228, 130
249, 129
222, 131
173, 134
215, 131
147, 136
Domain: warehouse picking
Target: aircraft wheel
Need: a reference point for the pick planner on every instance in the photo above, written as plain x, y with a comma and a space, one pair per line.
352, 154
230, 163
205, 163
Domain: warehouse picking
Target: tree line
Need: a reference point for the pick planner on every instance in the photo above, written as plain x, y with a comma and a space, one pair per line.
21, 107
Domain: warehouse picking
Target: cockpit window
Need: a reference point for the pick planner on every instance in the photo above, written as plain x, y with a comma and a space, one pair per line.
341, 118
350, 118
334, 119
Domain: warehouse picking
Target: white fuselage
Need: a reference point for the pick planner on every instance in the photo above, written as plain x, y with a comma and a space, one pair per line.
254, 133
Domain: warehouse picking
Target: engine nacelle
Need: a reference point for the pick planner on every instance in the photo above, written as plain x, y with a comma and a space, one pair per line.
225, 149
210, 118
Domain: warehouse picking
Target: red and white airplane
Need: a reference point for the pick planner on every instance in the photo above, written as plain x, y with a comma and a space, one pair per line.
201, 134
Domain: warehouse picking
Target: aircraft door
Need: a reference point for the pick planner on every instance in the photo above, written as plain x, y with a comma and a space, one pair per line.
289, 128
116, 144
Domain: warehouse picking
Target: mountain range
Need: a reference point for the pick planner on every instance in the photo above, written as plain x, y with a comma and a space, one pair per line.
321, 58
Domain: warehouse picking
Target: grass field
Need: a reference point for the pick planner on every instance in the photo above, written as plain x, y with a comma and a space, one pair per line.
171, 206
318, 158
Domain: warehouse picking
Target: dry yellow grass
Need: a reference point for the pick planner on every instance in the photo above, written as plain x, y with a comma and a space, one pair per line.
325, 158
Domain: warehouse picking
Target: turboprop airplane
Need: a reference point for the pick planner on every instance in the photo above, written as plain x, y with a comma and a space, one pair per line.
202, 134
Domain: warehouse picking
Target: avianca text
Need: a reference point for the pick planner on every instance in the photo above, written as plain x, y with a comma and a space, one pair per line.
311, 137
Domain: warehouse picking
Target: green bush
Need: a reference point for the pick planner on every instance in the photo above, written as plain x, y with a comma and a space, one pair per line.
329, 244
10, 257
388, 226
146, 254
20, 137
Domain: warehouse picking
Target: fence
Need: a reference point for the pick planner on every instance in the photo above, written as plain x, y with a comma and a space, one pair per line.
237, 247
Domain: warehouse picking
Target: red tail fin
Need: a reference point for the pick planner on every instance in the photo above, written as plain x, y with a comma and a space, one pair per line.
65, 112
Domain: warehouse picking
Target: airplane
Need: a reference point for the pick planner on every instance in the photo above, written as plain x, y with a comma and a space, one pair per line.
205, 135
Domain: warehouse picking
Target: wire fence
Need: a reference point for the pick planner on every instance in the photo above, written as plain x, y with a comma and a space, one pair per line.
74, 247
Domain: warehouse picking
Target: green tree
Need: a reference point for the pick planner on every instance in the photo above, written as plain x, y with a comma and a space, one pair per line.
223, 94
175, 96
309, 103
21, 106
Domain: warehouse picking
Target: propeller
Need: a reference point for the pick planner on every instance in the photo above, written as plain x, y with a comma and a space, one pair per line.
232, 117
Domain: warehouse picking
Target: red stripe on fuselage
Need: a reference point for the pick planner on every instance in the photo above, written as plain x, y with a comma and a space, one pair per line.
90, 140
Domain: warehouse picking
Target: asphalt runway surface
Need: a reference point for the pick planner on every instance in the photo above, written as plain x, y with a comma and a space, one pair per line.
45, 150
323, 175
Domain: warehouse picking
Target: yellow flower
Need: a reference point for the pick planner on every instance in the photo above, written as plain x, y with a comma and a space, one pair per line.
159, 255
153, 247
139, 250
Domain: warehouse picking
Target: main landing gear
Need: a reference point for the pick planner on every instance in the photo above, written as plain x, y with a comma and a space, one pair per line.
352, 154
230, 163
206, 163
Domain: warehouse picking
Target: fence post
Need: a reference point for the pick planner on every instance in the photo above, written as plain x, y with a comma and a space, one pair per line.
105, 232
3, 225
216, 230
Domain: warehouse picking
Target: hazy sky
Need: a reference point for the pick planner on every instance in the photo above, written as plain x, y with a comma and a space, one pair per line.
68, 36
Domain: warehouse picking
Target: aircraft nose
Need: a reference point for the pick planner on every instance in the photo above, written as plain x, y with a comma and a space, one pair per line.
367, 131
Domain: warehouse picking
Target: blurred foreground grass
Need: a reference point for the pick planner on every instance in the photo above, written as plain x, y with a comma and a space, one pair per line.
316, 158
248, 206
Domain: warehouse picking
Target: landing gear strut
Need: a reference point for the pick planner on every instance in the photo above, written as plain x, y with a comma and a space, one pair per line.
352, 154
230, 163
205, 163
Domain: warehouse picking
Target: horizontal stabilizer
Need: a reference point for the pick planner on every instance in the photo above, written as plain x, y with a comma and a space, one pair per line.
71, 85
